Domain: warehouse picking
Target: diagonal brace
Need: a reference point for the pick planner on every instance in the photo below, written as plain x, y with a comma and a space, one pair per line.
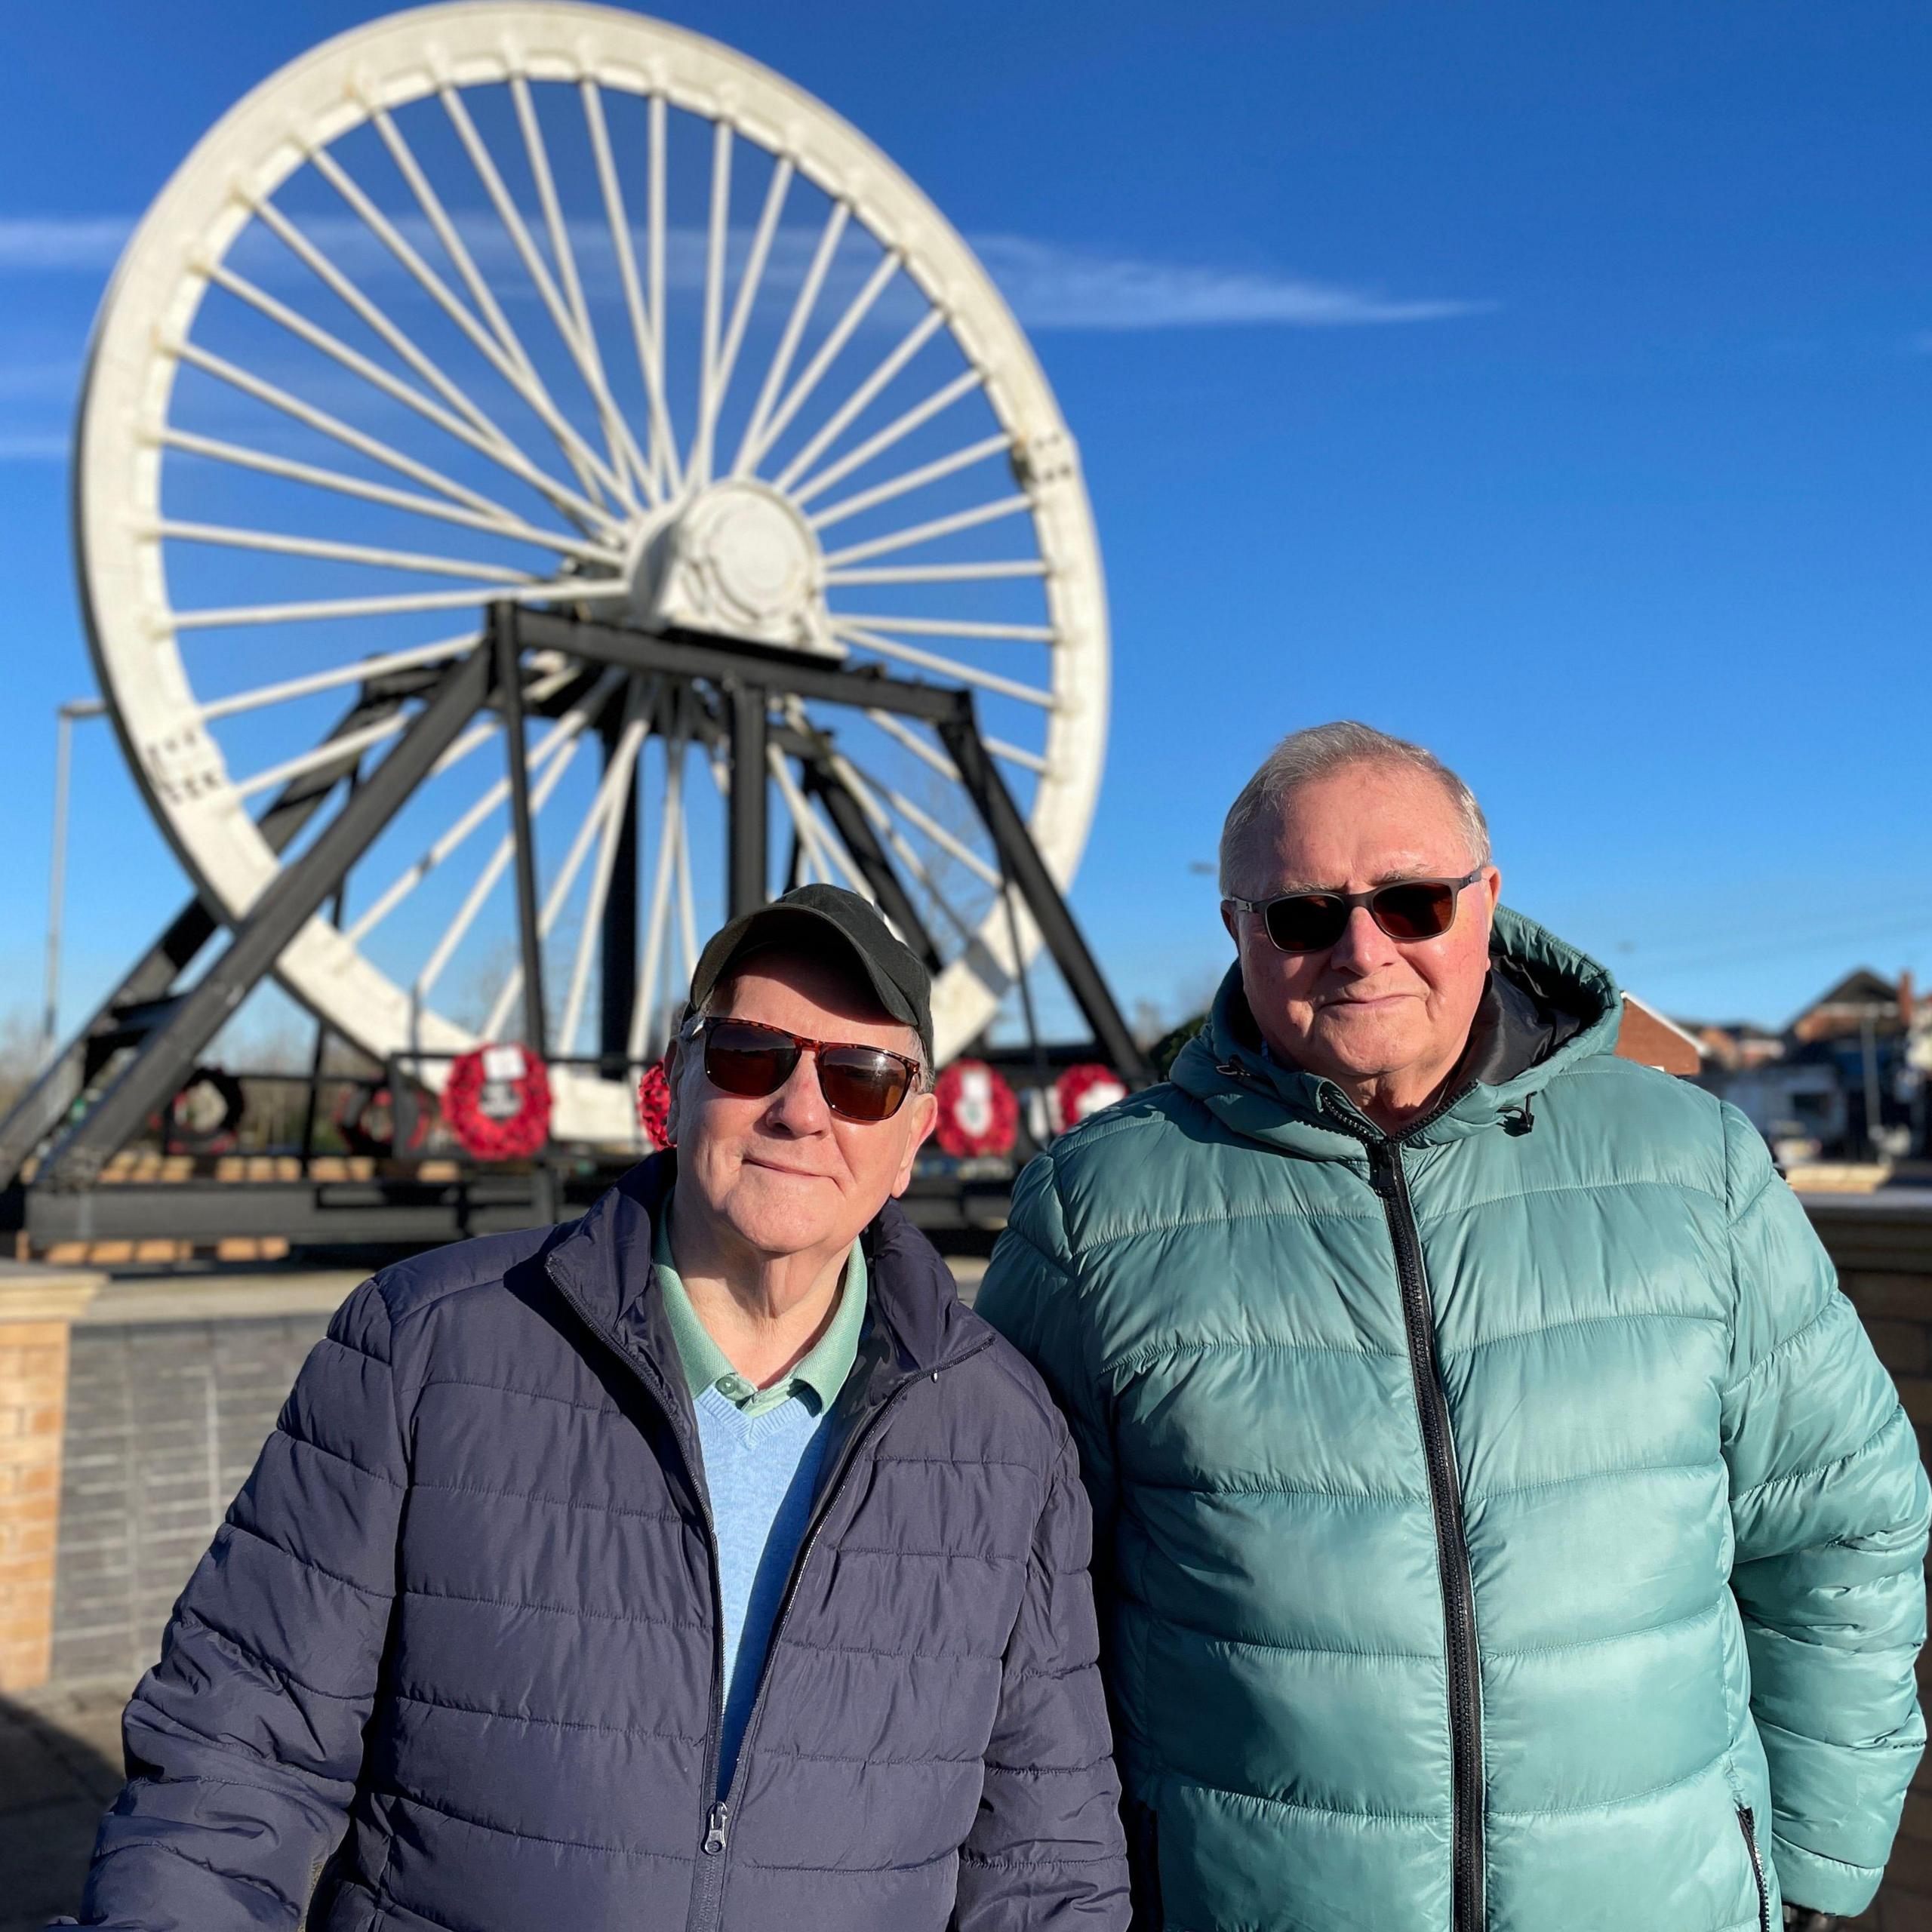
1021, 864
168, 1055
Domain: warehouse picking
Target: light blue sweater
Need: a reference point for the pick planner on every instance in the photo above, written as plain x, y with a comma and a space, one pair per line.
761, 1470
761, 1449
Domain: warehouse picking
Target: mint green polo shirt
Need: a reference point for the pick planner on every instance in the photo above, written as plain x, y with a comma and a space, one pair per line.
823, 1370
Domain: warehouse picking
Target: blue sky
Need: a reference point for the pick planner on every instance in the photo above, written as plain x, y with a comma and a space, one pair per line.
1550, 384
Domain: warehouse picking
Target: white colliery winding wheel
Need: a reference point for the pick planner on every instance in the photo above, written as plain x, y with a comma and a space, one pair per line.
562, 306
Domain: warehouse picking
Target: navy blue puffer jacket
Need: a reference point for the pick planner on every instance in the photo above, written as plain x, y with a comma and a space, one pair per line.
465, 1607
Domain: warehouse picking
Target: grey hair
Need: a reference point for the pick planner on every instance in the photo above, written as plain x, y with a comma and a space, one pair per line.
1304, 756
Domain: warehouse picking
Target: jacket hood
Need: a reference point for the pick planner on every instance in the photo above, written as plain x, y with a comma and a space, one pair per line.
915, 1321
1546, 1006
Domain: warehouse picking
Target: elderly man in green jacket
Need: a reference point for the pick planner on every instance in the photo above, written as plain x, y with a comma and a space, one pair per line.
1504, 1523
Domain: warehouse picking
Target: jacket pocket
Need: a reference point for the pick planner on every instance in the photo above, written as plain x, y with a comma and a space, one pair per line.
1748, 1824
1143, 1864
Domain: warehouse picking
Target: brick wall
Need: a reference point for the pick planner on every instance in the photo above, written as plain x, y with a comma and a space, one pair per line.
165, 1420
33, 1373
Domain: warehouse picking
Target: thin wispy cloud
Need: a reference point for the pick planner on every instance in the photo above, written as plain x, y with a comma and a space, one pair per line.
53, 244
1050, 284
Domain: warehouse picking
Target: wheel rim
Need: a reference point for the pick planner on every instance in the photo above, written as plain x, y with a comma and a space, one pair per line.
567, 305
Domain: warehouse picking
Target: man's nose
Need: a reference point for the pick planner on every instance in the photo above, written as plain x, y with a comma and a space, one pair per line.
1363, 945
798, 1107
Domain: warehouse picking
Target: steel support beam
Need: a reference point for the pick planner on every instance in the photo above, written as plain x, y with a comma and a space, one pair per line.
617, 979
297, 893
141, 1000
822, 781
694, 654
508, 658
507, 652
1026, 872
748, 876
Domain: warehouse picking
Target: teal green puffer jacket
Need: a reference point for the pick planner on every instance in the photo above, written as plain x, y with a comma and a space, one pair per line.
1506, 1527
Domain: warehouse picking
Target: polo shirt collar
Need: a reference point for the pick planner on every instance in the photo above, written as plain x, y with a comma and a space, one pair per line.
823, 1369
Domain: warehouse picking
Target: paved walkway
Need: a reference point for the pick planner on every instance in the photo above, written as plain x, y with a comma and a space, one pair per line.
59, 1769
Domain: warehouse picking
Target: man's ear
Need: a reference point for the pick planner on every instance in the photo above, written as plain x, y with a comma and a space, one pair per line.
1228, 920
924, 1109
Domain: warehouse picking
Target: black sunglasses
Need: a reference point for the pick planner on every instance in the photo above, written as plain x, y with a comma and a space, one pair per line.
751, 1060
1405, 908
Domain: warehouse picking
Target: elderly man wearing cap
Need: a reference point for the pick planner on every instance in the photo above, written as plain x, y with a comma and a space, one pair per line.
700, 1563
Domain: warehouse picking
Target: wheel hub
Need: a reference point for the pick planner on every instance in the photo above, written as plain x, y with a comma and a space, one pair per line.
737, 558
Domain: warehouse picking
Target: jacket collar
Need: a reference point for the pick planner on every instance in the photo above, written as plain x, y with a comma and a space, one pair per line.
914, 1321
1547, 1008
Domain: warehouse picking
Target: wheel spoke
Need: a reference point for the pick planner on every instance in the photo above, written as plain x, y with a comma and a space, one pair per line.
560, 735
659, 227
807, 299
748, 287
687, 901
914, 865
895, 431
950, 667
582, 353
804, 833
494, 445
945, 840
385, 606
591, 824
1016, 755
927, 533
830, 847
715, 245
503, 349
329, 752
278, 544
360, 303
856, 312
928, 754
614, 798
663, 444
506, 525
670, 832
946, 626
916, 338
941, 572
325, 424
517, 370
493, 870
910, 480
623, 446
358, 672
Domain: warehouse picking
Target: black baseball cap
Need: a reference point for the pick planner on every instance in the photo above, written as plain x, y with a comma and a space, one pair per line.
897, 976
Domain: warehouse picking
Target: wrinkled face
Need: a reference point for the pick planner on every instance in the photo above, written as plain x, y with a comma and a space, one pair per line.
1370, 1009
785, 1174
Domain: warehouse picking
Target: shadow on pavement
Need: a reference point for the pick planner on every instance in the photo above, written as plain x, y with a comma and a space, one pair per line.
60, 1770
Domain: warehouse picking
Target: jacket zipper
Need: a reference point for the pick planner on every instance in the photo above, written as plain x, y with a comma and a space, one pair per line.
717, 1839
1748, 1825
1445, 1497
708, 1882
717, 1817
